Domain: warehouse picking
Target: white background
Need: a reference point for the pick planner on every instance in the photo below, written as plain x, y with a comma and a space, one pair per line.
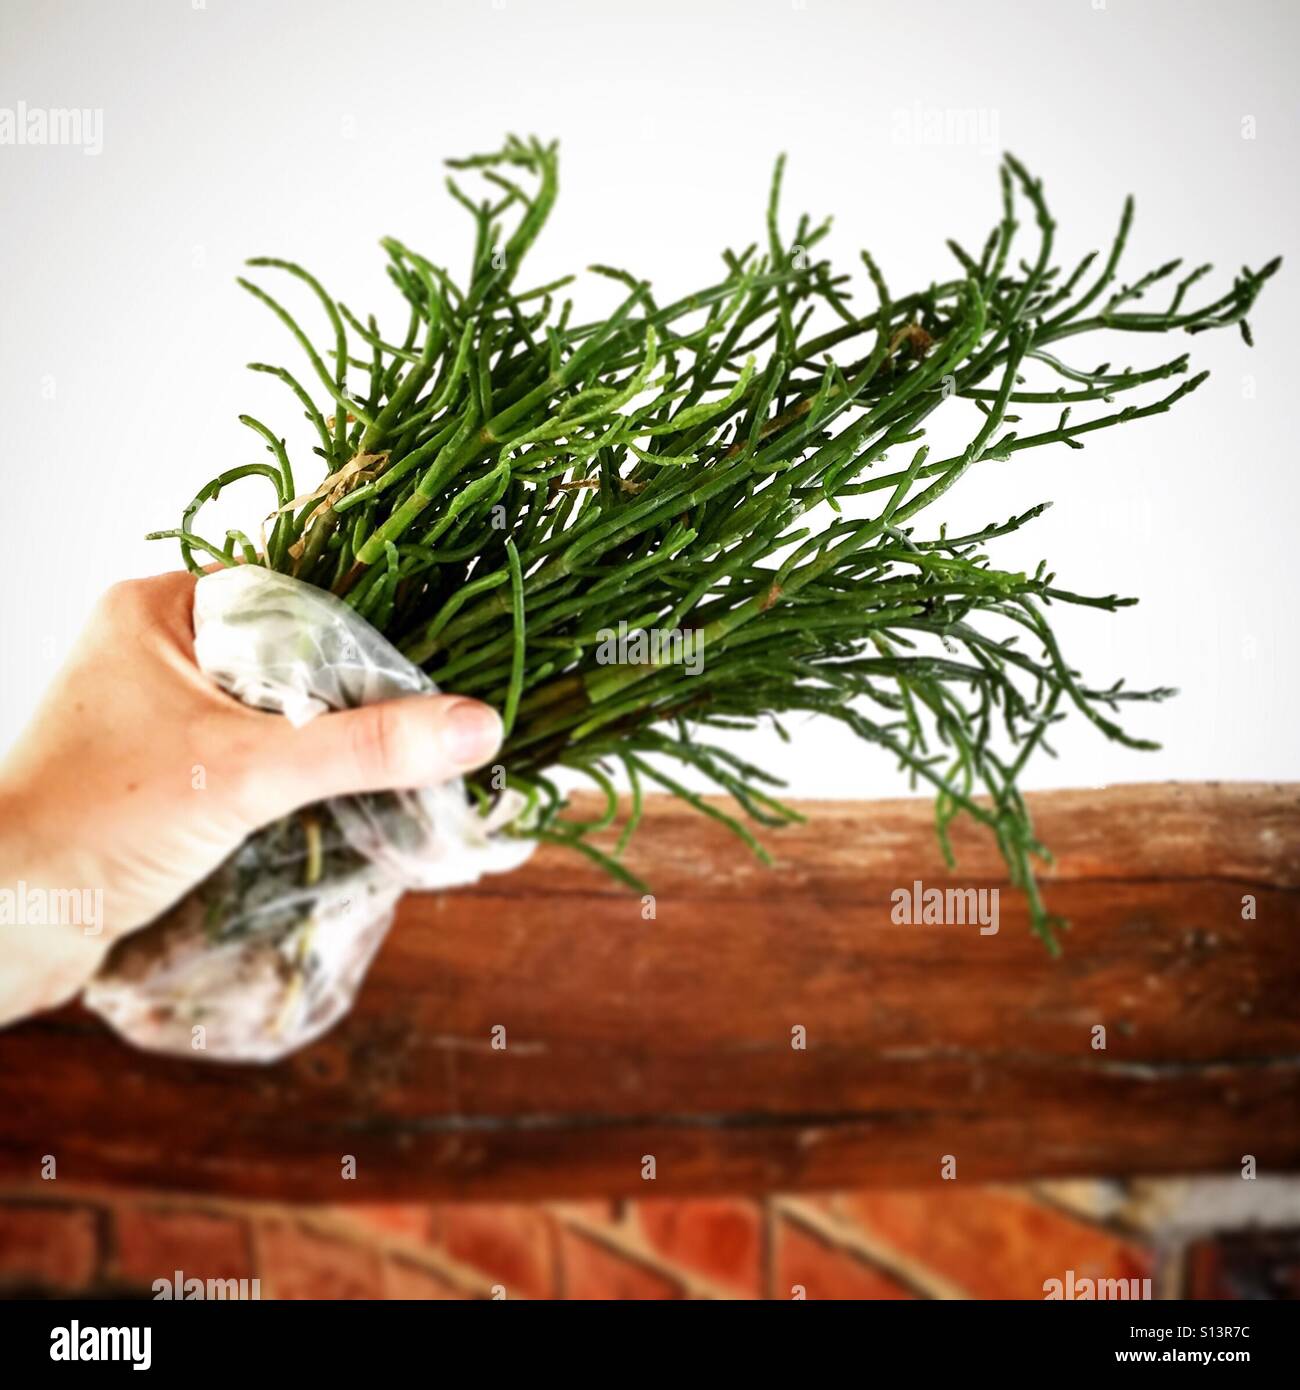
310, 129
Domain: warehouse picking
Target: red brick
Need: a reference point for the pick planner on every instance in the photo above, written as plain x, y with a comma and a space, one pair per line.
719, 1239
510, 1245
403, 1279
602, 1213
154, 1244
396, 1219
826, 1271
825, 1202
47, 1247
592, 1271
995, 1244
298, 1263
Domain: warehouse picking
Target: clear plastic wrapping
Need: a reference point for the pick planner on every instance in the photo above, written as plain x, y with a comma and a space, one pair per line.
270, 951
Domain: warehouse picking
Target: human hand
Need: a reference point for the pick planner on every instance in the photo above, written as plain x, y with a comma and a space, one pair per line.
138, 777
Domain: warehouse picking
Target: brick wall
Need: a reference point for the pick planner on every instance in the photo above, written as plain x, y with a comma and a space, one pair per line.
981, 1242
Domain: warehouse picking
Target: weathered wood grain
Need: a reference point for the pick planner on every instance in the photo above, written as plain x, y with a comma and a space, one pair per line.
671, 1037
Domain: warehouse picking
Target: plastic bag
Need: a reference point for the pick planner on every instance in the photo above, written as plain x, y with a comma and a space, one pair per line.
270, 951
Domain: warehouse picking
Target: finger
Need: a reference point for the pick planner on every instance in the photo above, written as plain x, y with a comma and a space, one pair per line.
413, 742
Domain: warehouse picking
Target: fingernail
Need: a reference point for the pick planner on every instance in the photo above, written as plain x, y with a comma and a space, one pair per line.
473, 733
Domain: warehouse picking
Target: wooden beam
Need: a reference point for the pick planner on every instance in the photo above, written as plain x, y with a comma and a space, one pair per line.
672, 1037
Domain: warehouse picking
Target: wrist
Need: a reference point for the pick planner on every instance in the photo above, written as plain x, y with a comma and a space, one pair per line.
52, 929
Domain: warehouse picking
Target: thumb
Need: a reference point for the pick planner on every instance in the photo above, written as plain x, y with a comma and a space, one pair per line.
412, 742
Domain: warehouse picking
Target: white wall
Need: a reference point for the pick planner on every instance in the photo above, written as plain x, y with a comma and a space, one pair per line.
309, 129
